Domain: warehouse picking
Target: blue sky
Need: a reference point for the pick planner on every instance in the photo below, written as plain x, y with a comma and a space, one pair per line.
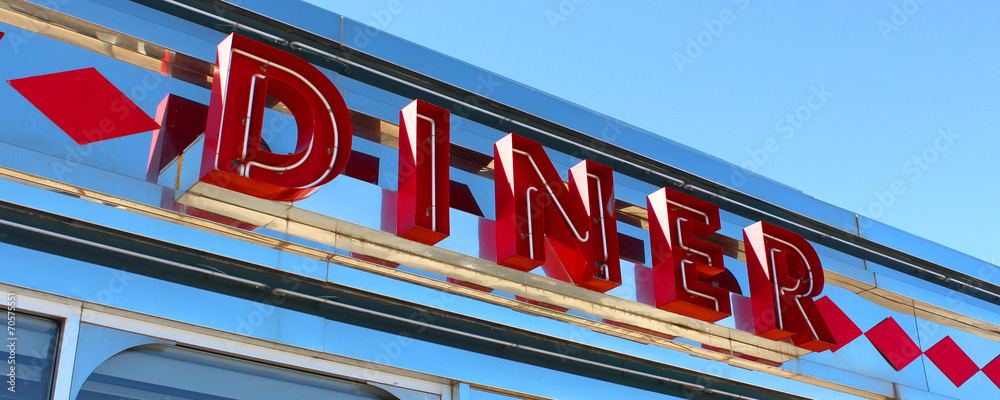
886, 108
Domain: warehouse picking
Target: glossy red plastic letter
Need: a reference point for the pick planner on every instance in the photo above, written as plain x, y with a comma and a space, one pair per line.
248, 74
683, 264
785, 276
424, 155
572, 232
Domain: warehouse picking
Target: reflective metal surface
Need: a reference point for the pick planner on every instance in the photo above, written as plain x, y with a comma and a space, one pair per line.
86, 35
103, 183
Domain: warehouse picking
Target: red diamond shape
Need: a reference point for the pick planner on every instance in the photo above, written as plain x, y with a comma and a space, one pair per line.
84, 105
952, 361
992, 371
893, 343
1, 35
843, 329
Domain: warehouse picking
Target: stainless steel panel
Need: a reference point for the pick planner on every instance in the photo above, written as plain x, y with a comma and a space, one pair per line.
402, 351
980, 350
928, 250
255, 321
860, 356
165, 301
303, 15
923, 291
843, 376
908, 393
122, 289
137, 20
47, 139
67, 202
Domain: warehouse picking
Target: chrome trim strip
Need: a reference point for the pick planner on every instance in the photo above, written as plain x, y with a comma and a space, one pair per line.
278, 40
700, 388
254, 284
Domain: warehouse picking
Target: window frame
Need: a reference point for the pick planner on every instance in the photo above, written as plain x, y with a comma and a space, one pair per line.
71, 313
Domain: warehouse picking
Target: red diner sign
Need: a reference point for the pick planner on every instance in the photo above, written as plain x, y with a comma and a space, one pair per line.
568, 230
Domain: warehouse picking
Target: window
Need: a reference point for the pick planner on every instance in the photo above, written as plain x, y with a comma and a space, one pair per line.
30, 353
162, 372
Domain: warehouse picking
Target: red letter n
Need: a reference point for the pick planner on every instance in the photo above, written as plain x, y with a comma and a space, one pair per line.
572, 232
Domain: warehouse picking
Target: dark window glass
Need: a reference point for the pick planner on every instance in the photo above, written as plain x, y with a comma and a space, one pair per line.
29, 355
